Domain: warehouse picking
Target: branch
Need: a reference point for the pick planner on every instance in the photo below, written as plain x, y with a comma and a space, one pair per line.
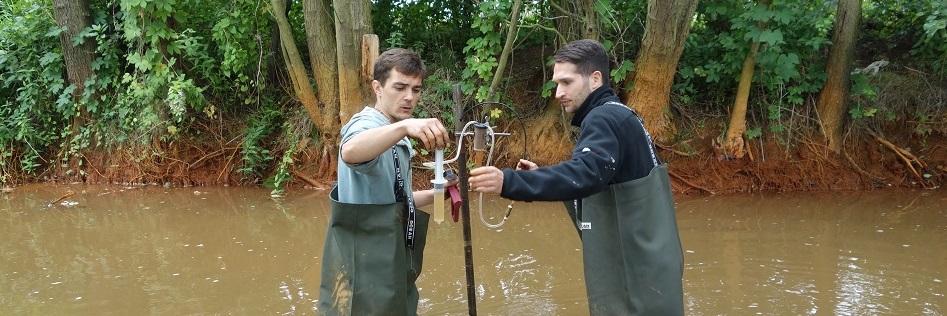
504, 56
563, 10
540, 26
68, 194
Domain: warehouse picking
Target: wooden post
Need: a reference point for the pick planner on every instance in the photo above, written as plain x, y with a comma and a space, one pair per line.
465, 209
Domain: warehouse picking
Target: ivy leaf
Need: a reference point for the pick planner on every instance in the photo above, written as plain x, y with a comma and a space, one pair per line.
496, 113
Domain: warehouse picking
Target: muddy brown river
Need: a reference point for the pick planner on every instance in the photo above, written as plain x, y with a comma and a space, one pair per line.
123, 250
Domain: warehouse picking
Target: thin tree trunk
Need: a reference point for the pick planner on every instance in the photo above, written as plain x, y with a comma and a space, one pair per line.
833, 100
352, 20
505, 55
665, 31
294, 63
73, 16
733, 142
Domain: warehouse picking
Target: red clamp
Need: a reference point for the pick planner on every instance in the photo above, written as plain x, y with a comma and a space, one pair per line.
453, 194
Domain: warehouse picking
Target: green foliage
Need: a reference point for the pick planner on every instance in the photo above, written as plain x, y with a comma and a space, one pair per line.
788, 68
436, 29
255, 157
908, 31
282, 175
483, 51
437, 98
934, 45
35, 104
865, 96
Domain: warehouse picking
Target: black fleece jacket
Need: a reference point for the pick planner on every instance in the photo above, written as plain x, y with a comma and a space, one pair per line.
613, 147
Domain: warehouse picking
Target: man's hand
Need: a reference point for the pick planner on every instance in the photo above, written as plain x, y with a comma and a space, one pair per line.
486, 179
429, 131
524, 164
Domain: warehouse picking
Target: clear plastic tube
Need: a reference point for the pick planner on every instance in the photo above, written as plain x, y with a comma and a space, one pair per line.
439, 182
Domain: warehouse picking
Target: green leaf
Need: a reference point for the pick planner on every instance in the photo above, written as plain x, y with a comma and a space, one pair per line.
754, 133
496, 113
771, 37
48, 58
54, 31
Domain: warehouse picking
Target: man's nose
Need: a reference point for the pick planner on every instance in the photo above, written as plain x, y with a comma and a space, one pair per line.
560, 92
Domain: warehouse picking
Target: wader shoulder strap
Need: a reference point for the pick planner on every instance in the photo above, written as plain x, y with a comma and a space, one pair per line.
400, 192
654, 156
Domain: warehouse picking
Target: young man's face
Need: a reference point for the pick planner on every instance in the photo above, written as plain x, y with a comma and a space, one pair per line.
572, 88
398, 97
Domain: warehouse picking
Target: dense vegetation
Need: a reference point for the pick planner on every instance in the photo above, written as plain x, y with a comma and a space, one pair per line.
211, 74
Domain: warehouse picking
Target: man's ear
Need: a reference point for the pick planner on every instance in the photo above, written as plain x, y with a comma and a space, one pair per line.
376, 86
596, 78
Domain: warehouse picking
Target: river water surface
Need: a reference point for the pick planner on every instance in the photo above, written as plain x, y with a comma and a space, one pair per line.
119, 250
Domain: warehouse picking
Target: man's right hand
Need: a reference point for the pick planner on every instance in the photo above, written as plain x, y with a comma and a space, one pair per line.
429, 131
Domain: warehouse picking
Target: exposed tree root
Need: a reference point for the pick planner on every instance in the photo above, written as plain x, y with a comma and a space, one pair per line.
690, 183
312, 182
907, 157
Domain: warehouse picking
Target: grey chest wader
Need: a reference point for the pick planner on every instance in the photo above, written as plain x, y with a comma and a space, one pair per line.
368, 266
631, 249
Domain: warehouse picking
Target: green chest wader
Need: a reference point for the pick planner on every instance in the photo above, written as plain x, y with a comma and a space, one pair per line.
631, 248
367, 266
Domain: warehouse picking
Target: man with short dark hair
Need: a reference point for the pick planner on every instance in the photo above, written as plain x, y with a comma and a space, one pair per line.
375, 240
616, 190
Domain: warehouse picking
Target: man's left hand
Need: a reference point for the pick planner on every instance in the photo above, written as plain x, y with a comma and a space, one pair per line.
486, 179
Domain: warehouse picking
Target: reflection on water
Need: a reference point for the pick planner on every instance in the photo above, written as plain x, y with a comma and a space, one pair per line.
873, 253
151, 250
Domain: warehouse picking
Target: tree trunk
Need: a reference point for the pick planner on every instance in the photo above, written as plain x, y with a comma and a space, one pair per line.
579, 20
733, 142
294, 63
504, 56
833, 100
665, 32
352, 20
320, 37
73, 16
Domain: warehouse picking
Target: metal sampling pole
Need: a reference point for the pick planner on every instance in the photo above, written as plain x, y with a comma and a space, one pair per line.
465, 205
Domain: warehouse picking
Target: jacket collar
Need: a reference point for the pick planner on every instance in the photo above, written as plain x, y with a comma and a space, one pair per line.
598, 97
